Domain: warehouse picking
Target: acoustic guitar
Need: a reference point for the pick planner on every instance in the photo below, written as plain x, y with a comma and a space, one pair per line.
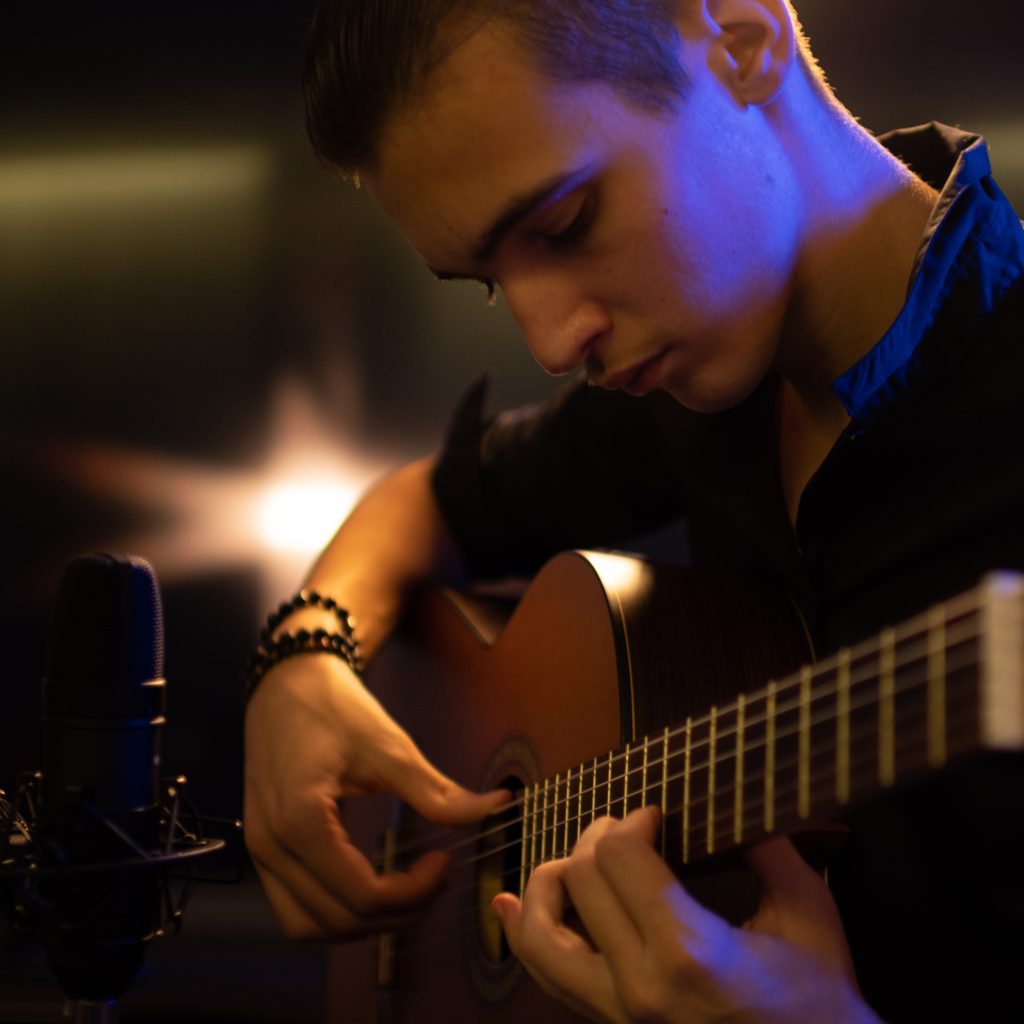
617, 683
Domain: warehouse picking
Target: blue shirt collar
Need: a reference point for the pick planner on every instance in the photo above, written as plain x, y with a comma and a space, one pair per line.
971, 253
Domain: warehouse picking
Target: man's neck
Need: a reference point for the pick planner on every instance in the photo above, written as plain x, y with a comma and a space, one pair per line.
865, 219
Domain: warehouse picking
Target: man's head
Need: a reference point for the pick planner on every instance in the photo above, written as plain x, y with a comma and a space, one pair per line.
642, 222
368, 58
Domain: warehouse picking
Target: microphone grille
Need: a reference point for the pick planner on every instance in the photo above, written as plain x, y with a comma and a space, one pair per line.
107, 637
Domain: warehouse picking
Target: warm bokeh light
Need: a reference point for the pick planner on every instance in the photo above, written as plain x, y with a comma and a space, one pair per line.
205, 518
300, 516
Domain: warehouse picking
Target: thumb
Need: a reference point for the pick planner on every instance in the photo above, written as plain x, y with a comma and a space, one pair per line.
508, 909
796, 904
784, 875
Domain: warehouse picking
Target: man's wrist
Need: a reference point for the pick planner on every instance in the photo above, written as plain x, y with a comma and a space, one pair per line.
327, 628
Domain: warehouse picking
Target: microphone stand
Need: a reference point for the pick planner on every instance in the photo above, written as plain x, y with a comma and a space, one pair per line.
30, 875
87, 1011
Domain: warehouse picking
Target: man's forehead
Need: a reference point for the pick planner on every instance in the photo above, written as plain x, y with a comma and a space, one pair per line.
488, 136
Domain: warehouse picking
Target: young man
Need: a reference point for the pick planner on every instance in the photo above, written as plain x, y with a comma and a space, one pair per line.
821, 335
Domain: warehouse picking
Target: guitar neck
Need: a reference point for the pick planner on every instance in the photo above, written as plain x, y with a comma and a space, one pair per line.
883, 713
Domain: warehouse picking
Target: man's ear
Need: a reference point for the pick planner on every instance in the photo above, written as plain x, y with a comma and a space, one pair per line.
754, 47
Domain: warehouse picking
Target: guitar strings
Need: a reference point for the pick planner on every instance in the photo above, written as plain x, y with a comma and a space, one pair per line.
820, 719
720, 796
788, 700
441, 926
901, 686
559, 803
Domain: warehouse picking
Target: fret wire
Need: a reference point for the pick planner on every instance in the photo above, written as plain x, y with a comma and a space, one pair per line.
937, 688
711, 780
643, 784
608, 800
579, 806
593, 794
738, 785
626, 781
769, 773
566, 808
524, 844
886, 725
804, 763
554, 817
544, 824
843, 727
533, 831
568, 800
686, 791
664, 790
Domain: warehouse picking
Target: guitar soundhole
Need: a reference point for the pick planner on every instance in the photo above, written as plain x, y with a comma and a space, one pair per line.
498, 864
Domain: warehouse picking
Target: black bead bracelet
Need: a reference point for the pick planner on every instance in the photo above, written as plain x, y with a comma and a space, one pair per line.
273, 649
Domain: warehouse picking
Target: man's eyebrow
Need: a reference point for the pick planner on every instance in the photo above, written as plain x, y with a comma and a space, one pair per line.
516, 210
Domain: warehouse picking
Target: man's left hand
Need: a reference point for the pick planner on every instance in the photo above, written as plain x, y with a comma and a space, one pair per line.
647, 951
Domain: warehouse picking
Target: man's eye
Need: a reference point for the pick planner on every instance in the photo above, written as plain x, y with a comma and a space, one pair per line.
576, 228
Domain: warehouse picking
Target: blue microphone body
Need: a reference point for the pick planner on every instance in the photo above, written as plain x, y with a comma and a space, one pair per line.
103, 711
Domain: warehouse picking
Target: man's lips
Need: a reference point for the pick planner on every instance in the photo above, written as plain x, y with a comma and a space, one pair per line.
638, 379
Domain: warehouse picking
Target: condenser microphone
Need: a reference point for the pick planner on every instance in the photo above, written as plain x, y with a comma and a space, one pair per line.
99, 817
90, 846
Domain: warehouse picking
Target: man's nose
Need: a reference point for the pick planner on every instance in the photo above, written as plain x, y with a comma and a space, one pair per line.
561, 326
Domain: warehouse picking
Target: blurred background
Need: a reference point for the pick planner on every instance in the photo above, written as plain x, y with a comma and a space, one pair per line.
208, 348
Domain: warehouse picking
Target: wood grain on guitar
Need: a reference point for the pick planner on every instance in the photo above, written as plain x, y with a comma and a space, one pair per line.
617, 683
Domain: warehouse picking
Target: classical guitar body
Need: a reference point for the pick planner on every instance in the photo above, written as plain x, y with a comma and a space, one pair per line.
616, 684
588, 661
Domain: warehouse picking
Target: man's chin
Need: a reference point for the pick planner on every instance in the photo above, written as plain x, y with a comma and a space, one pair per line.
708, 399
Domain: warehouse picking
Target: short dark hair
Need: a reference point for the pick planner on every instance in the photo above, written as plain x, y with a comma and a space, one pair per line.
366, 58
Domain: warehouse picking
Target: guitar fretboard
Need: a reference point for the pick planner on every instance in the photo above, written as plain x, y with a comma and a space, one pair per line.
884, 712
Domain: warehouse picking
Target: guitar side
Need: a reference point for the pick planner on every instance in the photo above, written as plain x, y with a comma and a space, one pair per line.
588, 660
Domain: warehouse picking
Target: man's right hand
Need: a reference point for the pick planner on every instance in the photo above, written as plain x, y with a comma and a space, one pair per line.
313, 734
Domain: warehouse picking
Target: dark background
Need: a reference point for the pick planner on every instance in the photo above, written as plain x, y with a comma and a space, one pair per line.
191, 312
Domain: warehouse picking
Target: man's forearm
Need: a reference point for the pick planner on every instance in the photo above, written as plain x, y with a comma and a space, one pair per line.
393, 541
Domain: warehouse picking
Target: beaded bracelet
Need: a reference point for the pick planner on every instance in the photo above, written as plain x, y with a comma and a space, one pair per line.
270, 650
308, 599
